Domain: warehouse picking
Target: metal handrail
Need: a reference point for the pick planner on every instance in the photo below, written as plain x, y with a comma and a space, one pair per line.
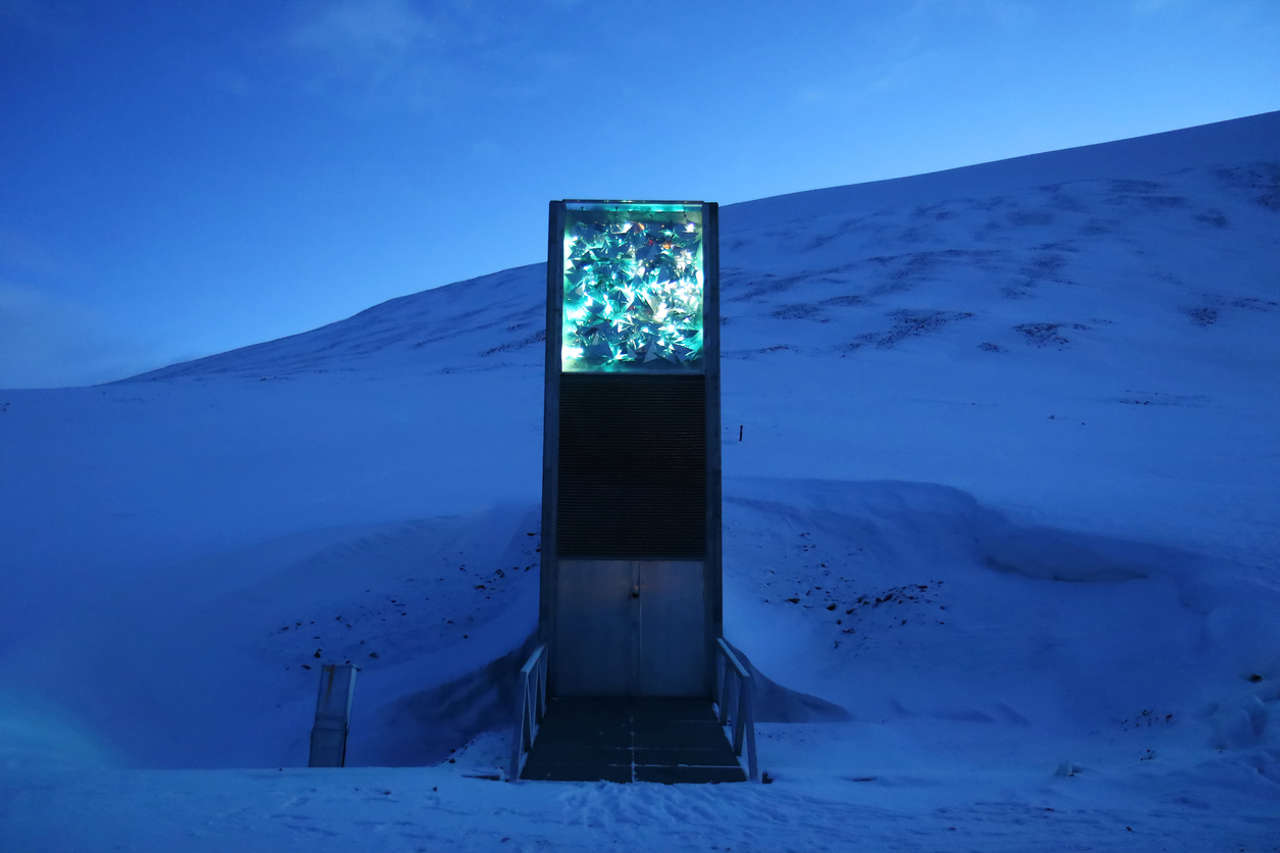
734, 705
531, 707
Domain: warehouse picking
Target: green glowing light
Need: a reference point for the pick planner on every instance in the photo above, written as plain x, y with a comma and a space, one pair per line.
632, 287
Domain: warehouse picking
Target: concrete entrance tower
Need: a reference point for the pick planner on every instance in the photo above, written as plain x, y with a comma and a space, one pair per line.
631, 550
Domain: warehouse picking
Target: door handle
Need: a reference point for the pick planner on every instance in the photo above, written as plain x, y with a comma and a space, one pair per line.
635, 591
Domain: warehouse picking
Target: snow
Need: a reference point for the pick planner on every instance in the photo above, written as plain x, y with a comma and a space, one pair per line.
358, 809
1007, 441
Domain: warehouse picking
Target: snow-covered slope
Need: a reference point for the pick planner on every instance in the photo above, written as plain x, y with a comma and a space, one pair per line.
1134, 274
1005, 494
1174, 226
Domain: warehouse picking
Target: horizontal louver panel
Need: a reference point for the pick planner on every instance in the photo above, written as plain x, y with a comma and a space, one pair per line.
632, 476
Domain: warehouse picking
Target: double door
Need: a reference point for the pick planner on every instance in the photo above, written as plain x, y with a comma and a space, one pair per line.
630, 628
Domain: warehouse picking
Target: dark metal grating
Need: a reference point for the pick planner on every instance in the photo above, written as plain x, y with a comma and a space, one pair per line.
646, 739
632, 476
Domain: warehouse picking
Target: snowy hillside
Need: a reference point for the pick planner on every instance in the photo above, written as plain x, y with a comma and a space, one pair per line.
1004, 500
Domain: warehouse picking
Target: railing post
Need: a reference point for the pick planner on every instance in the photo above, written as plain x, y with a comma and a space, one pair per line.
737, 718
517, 742
542, 687
722, 685
529, 712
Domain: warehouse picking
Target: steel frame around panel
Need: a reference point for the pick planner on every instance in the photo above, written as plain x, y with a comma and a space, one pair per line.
549, 568
713, 577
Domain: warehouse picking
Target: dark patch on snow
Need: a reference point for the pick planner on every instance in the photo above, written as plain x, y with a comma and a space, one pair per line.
989, 203
1097, 227
817, 241
1134, 187
1261, 181
1213, 217
1210, 310
1254, 304
1160, 398
768, 284
1058, 246
1147, 719
1045, 266
1202, 316
529, 340
800, 311
1066, 203
1164, 202
1042, 334
747, 354
846, 299
1023, 218
906, 324
903, 271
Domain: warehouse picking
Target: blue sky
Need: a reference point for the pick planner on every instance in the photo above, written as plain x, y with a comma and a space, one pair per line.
183, 178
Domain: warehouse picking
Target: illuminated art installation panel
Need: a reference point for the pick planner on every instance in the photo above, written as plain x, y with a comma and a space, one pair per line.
633, 287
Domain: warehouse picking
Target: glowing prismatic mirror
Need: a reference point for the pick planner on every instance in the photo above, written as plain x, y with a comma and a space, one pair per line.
633, 288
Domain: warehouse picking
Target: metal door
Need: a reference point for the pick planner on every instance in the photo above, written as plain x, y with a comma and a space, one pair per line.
672, 640
594, 649
630, 628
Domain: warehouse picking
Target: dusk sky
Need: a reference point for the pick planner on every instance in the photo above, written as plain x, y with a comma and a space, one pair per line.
179, 179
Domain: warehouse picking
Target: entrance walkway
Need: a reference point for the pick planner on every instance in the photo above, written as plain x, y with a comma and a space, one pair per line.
632, 740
